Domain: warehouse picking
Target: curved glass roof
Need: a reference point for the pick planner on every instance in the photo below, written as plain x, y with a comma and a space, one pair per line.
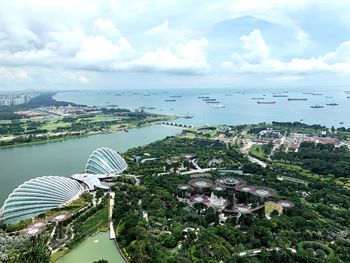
37, 196
105, 161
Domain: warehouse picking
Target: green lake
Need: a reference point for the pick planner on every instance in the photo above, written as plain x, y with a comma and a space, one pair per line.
92, 249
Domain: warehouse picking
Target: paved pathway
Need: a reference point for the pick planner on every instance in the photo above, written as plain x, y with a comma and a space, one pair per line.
110, 212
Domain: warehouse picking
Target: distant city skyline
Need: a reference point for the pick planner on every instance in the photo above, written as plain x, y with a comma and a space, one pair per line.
85, 44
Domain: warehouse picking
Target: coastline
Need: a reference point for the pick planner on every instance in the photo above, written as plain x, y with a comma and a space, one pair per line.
73, 136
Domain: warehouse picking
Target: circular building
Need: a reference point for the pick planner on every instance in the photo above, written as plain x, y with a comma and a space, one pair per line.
60, 217
243, 209
286, 203
105, 161
201, 183
183, 187
37, 196
246, 188
263, 192
199, 199
230, 182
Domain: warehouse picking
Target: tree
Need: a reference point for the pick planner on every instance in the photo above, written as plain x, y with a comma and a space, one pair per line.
37, 252
86, 197
170, 241
99, 193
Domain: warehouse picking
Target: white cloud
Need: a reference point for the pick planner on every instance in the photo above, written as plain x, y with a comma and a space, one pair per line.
107, 28
257, 59
159, 36
341, 55
98, 52
8, 74
188, 57
256, 48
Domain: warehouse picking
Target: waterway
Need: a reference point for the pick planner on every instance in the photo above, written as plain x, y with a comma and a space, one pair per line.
64, 158
92, 249
240, 106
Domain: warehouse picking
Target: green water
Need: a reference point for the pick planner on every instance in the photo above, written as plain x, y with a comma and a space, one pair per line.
93, 249
67, 157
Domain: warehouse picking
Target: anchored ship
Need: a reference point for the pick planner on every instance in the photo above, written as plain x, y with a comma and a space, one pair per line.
266, 102
316, 106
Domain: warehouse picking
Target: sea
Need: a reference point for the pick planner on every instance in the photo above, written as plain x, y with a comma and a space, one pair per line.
227, 106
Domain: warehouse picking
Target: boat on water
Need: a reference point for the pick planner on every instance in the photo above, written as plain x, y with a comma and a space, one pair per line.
170, 100
228, 94
329, 97
332, 104
218, 106
280, 95
175, 96
296, 99
316, 106
203, 97
266, 102
257, 98
212, 102
317, 94
126, 129
209, 99
187, 116
341, 122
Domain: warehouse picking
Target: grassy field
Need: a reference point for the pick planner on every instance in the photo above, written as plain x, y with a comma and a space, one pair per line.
59, 254
96, 221
258, 152
52, 125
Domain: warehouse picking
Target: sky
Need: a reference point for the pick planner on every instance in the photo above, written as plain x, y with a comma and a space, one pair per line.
157, 44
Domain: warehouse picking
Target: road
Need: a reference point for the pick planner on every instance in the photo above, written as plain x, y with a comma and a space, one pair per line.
255, 252
110, 212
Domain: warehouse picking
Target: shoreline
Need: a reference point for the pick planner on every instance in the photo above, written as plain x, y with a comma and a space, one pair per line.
72, 136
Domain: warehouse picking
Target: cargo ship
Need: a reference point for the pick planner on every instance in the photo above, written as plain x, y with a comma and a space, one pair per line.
266, 102
297, 99
316, 106
332, 104
218, 106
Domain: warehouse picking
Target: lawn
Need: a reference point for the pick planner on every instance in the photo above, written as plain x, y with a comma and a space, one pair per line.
96, 221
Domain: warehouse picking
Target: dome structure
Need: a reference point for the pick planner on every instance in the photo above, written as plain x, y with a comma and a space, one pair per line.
105, 161
37, 196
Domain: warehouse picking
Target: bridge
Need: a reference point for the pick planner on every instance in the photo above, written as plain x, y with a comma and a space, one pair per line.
177, 124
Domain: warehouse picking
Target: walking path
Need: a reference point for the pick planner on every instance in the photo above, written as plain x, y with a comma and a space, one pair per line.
110, 212
258, 251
